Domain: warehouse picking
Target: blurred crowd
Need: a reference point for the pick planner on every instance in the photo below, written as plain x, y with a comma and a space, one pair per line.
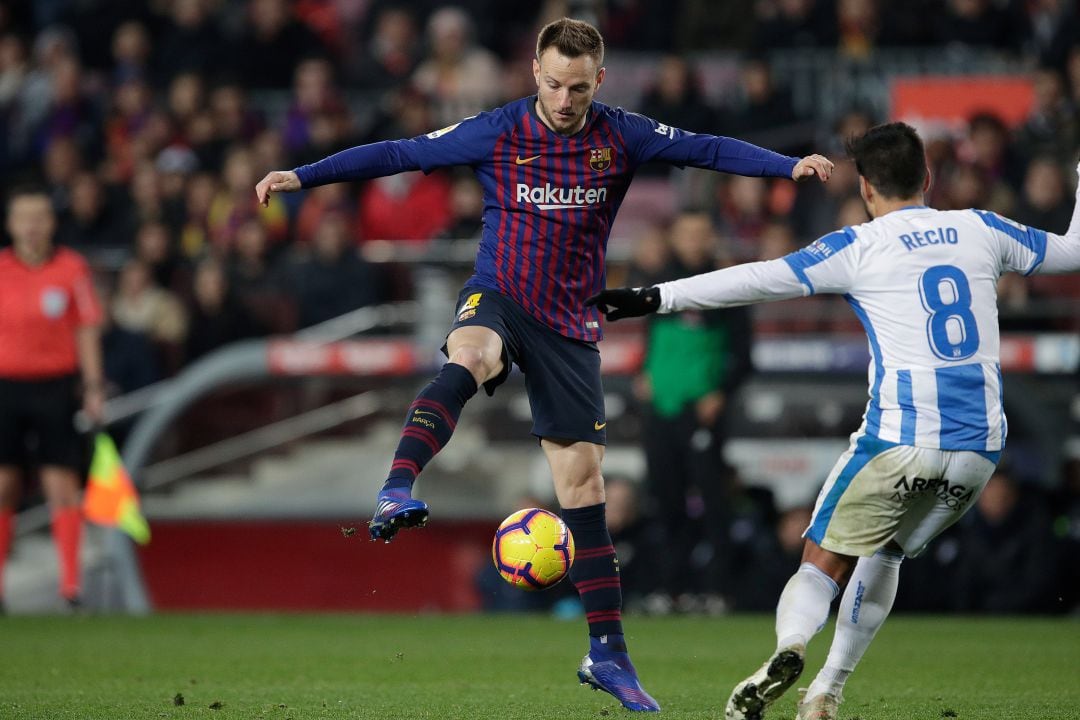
150, 123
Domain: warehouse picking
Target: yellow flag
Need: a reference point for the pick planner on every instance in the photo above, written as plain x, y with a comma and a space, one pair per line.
110, 497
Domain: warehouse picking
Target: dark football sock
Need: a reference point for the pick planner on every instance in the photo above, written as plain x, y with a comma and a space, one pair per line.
429, 424
595, 572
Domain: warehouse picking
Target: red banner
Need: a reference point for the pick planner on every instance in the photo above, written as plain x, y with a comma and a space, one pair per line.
951, 101
356, 357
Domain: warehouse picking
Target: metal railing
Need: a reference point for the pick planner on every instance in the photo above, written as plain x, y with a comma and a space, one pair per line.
166, 472
344, 326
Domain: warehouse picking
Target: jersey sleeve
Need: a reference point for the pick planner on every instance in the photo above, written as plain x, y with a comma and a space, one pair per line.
647, 139
739, 285
468, 142
86, 307
1063, 251
826, 266
1021, 248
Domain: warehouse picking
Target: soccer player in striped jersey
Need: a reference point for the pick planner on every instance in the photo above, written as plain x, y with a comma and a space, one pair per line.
554, 168
923, 283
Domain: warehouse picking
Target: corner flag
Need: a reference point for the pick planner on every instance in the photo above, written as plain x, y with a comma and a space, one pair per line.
110, 497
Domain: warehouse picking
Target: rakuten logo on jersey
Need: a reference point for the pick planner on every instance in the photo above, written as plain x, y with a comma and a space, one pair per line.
550, 197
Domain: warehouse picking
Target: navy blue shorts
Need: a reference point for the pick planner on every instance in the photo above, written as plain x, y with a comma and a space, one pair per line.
562, 375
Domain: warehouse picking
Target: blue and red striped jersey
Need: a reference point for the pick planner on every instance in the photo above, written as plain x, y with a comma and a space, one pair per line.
549, 199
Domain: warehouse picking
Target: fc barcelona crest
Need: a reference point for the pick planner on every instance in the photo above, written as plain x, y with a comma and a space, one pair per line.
600, 159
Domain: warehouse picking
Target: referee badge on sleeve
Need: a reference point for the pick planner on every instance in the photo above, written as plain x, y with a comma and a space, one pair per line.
54, 302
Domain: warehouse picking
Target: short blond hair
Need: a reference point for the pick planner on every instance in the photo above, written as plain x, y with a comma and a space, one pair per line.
572, 38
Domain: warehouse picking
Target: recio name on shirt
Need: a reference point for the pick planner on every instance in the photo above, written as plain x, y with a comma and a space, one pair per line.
926, 238
551, 197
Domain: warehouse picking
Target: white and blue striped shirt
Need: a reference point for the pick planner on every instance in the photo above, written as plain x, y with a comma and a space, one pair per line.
923, 283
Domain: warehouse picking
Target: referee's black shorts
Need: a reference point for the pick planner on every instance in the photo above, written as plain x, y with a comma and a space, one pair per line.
562, 375
37, 422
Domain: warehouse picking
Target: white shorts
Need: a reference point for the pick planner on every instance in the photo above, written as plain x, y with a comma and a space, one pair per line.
880, 491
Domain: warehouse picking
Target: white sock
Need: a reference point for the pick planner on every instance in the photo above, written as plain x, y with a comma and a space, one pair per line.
804, 606
866, 603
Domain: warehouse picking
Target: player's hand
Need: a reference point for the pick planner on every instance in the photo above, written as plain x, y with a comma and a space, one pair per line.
708, 408
812, 165
94, 404
618, 303
276, 181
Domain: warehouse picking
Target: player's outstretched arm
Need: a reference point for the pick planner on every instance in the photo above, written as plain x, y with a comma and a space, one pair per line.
1063, 251
739, 285
276, 181
649, 140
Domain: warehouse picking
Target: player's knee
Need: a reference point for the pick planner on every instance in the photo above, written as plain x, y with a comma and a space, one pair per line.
836, 566
474, 359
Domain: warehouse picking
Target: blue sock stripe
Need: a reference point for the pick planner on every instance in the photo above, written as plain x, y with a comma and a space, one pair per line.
892, 554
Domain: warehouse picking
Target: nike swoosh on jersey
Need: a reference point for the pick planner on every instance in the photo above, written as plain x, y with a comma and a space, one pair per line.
425, 412
522, 161
598, 426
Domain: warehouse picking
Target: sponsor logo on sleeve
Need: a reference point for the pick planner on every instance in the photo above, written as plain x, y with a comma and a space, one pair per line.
442, 131
468, 310
818, 247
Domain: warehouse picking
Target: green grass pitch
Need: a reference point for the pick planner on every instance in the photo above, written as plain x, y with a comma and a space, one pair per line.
277, 667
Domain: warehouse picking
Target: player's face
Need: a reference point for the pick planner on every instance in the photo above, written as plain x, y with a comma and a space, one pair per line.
31, 223
565, 89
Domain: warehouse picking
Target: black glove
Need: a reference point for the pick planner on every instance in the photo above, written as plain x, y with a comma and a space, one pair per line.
618, 303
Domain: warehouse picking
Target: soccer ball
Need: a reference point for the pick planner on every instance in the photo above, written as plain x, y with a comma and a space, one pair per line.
533, 549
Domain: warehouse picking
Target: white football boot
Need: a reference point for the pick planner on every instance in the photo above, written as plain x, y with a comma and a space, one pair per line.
756, 693
820, 707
